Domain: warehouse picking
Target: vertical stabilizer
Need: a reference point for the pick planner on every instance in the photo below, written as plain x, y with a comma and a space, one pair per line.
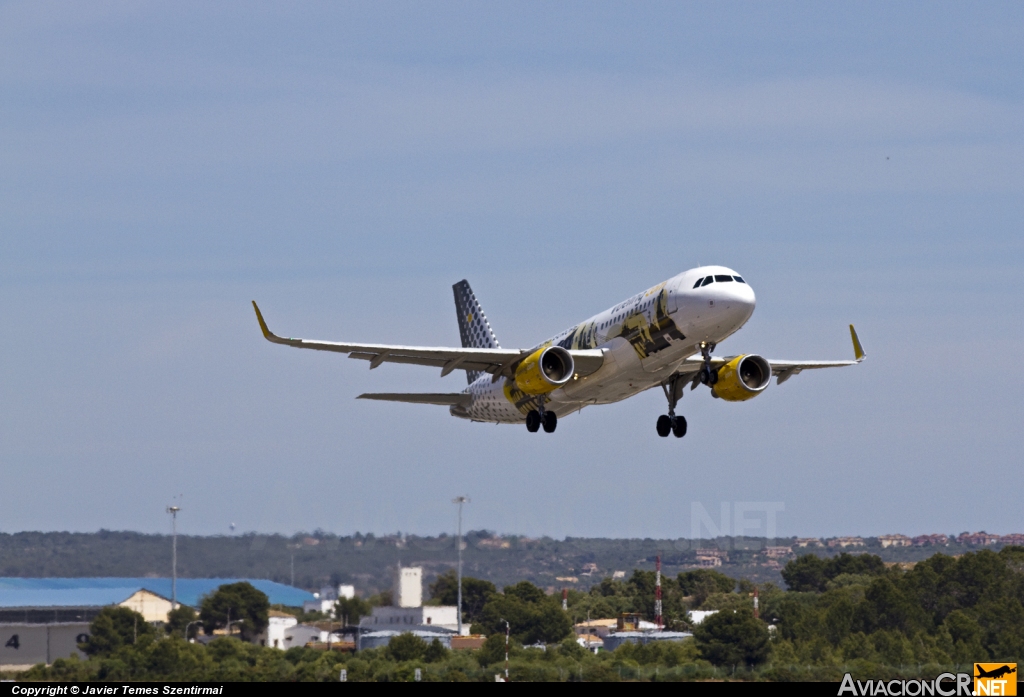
474, 328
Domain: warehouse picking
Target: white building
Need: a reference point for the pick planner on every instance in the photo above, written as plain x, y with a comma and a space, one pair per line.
277, 629
444, 617
409, 587
300, 635
324, 600
698, 616
408, 612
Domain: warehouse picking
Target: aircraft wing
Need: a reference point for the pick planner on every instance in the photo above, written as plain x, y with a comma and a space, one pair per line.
783, 369
787, 369
444, 399
496, 361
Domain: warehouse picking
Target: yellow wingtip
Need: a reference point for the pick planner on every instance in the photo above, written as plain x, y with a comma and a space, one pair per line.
263, 325
858, 351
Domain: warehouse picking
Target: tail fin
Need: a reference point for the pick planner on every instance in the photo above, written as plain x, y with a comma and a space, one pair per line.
474, 328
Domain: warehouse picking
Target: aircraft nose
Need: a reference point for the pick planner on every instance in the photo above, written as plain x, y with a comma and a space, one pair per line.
740, 299
745, 295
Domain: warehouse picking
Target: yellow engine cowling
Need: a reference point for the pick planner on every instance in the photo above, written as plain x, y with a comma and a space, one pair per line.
742, 378
544, 370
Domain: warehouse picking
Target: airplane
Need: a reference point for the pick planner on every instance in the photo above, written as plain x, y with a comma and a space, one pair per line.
663, 337
994, 673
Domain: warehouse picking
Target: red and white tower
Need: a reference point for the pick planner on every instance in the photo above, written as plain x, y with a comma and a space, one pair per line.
657, 592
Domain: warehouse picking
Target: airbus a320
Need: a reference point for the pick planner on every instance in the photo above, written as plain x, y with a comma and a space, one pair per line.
663, 337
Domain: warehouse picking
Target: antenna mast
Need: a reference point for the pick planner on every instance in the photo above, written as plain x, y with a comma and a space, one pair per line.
657, 593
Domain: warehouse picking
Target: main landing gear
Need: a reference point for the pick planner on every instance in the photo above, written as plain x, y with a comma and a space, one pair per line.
671, 423
541, 417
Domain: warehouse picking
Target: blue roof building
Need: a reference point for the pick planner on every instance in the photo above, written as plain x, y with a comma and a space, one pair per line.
72, 595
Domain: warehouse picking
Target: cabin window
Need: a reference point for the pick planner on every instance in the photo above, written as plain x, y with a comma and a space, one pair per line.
722, 278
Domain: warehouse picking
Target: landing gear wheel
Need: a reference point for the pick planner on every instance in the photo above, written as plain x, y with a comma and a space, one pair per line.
533, 421
678, 426
550, 421
664, 425
708, 376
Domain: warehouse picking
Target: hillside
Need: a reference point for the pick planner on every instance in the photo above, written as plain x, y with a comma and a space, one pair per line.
366, 560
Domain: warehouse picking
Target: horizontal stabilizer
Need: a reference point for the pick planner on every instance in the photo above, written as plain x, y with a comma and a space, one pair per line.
443, 399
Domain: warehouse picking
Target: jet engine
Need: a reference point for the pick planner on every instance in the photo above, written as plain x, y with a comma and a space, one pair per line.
742, 378
544, 370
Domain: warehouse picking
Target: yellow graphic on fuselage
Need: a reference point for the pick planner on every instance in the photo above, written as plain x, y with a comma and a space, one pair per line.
648, 336
647, 327
584, 337
519, 399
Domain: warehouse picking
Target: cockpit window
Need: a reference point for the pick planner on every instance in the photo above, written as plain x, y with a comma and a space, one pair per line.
722, 278
697, 284
739, 279
709, 279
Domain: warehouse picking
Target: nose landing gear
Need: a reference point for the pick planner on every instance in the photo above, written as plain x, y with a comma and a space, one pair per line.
707, 376
541, 417
671, 423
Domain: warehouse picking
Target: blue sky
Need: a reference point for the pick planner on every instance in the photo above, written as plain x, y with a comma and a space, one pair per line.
343, 164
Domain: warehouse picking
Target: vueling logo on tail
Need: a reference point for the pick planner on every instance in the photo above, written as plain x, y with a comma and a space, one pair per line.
995, 679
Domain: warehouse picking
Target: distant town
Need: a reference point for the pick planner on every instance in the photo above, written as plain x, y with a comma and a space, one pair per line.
318, 559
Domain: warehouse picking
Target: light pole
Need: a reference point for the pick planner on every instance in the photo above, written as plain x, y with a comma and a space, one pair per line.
173, 510
187, 626
507, 630
460, 500
292, 548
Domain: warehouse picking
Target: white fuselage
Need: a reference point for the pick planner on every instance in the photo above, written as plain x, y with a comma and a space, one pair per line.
643, 339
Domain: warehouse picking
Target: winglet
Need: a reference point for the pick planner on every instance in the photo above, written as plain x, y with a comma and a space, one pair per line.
858, 352
263, 325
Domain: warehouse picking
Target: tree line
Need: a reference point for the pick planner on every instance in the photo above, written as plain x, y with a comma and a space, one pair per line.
849, 613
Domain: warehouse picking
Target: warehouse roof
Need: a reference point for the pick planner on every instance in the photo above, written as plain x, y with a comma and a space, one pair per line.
93, 592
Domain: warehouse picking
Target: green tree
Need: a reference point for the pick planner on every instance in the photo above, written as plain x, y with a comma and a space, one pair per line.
810, 572
115, 627
351, 610
700, 583
889, 606
178, 620
406, 647
475, 593
493, 650
862, 564
642, 584
436, 652
805, 573
733, 638
966, 635
239, 603
532, 615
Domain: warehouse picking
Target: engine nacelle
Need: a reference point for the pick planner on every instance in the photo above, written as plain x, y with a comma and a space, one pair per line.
545, 370
742, 378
